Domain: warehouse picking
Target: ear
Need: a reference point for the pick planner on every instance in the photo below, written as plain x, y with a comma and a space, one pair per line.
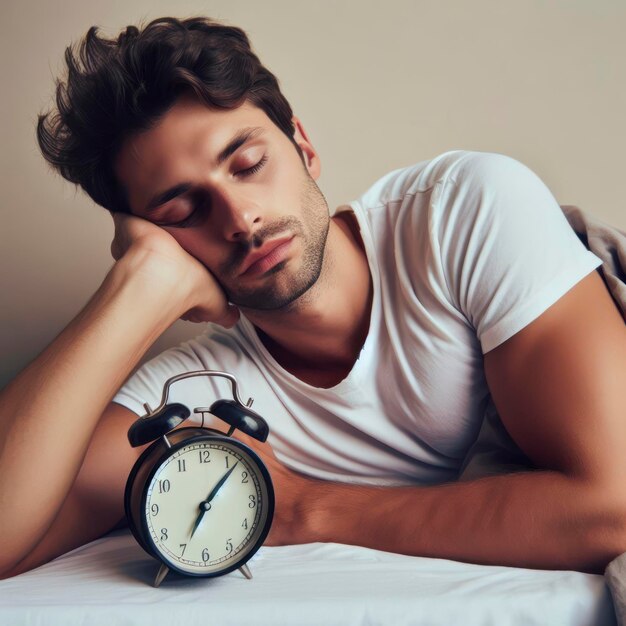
311, 157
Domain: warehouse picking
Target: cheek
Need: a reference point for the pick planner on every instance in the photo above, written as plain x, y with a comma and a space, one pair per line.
287, 192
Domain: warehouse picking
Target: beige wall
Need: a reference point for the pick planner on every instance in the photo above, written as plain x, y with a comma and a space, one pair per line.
378, 85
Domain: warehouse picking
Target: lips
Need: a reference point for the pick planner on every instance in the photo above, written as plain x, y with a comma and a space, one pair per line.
255, 261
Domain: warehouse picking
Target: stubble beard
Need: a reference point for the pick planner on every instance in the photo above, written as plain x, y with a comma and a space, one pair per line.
314, 233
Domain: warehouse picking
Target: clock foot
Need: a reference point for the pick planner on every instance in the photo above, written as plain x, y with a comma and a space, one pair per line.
245, 570
163, 571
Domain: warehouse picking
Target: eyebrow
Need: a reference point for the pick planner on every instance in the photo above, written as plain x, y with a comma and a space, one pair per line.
243, 136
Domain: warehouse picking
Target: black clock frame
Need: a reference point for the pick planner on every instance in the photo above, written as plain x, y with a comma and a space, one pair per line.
141, 531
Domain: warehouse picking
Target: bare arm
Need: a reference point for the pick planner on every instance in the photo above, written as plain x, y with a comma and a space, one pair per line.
95, 502
49, 412
558, 385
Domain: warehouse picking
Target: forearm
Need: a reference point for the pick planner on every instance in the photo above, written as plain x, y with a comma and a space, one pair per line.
48, 413
540, 520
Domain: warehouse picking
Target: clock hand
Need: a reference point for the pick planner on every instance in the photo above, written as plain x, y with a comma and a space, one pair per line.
219, 484
205, 505
199, 518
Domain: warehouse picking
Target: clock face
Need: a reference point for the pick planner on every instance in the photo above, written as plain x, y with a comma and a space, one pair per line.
207, 507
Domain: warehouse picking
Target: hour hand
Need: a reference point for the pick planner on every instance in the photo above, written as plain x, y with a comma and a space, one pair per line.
204, 507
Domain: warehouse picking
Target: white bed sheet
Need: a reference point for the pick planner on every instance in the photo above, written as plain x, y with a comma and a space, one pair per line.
109, 582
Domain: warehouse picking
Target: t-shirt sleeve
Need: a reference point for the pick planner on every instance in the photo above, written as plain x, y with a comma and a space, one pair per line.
507, 250
204, 352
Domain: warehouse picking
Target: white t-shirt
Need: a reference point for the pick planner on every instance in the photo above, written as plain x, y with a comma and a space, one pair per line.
464, 250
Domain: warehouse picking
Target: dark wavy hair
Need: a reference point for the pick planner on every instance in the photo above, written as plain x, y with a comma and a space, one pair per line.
117, 87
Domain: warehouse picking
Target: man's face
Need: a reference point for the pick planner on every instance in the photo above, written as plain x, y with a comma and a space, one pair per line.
226, 205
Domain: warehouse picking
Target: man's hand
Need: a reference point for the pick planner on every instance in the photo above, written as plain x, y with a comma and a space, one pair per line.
292, 492
164, 263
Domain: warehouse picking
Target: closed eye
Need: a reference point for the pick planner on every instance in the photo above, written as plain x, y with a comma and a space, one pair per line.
193, 217
197, 213
254, 169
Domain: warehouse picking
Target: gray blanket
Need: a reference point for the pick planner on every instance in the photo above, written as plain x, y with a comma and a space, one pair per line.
494, 451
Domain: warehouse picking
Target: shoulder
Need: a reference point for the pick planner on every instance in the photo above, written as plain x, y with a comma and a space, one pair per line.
460, 167
216, 349
456, 192
480, 189
489, 169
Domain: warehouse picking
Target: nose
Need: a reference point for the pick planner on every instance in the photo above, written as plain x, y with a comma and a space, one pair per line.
238, 216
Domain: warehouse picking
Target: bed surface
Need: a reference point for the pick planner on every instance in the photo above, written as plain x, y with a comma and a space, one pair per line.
109, 582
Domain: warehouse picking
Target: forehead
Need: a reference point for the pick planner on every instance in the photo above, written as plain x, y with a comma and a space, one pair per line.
188, 130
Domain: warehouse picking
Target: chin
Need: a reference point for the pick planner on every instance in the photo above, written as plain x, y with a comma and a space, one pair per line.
274, 297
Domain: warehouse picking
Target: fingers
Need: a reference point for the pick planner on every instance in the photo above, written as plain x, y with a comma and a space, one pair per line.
118, 247
129, 229
113, 246
209, 300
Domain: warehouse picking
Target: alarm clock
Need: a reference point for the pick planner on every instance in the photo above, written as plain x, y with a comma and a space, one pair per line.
198, 500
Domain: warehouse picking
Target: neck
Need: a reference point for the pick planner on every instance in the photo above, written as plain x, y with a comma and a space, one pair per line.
327, 326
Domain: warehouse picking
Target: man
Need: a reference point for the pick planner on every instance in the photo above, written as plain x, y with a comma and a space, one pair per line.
371, 340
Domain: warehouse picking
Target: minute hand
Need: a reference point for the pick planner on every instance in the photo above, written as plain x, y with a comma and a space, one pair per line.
204, 505
220, 483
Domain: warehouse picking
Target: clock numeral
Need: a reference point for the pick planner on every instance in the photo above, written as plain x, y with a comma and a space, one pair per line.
181, 465
226, 458
183, 546
164, 486
244, 477
154, 509
164, 536
252, 502
245, 523
204, 456
205, 555
229, 545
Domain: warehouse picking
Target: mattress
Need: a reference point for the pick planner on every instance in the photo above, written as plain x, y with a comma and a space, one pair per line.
109, 582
